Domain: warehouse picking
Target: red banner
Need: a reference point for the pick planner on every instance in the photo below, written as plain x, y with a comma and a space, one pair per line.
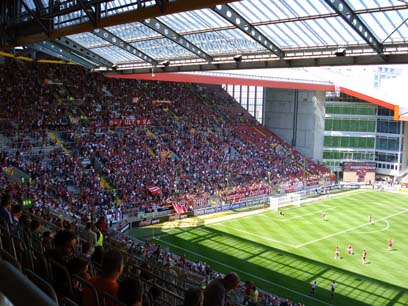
127, 122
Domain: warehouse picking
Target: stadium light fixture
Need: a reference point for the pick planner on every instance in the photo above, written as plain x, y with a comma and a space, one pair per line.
238, 58
340, 52
165, 63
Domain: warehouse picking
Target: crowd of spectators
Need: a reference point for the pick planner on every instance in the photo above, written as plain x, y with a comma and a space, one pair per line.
198, 141
107, 264
111, 140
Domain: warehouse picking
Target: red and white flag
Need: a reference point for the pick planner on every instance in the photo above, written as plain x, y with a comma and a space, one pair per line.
154, 190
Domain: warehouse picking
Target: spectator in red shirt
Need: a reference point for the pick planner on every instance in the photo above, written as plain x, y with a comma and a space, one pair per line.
107, 281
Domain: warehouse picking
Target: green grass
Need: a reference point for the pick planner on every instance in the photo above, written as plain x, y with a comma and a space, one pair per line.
283, 255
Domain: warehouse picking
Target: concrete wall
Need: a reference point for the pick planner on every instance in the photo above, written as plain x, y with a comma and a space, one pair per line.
297, 117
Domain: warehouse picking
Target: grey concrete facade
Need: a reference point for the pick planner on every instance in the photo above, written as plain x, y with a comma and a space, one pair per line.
297, 116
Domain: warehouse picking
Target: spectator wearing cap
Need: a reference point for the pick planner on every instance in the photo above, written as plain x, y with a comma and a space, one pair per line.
215, 292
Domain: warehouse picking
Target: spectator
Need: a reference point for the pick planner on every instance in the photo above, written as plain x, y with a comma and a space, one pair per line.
47, 239
155, 292
79, 266
215, 292
130, 292
194, 297
5, 207
101, 228
253, 297
64, 247
16, 212
89, 235
247, 291
98, 254
107, 281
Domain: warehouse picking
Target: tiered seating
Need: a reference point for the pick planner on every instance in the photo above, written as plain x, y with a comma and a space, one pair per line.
115, 138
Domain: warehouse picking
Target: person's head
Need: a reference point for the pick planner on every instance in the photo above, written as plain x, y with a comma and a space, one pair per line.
78, 266
194, 297
5, 201
25, 220
88, 226
35, 226
65, 241
130, 292
47, 236
87, 248
17, 211
97, 255
231, 281
112, 264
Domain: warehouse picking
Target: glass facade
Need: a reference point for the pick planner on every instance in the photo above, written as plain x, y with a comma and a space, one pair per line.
250, 98
360, 131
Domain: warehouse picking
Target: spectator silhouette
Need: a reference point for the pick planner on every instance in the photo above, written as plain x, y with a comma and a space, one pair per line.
64, 247
130, 292
194, 297
5, 208
215, 292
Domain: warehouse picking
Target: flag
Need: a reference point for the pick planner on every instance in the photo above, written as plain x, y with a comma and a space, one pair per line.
154, 190
179, 208
165, 154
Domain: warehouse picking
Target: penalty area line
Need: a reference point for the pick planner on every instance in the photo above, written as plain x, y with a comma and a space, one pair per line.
308, 214
350, 229
246, 273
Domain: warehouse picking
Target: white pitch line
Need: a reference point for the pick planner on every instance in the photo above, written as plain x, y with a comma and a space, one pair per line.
246, 273
376, 231
350, 229
255, 235
308, 214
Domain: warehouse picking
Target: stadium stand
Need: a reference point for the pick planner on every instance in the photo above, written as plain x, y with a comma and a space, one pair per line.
77, 145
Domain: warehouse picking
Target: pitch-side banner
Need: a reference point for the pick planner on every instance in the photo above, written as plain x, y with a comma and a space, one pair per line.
362, 172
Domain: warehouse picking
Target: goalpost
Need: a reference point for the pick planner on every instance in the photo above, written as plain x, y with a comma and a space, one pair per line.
278, 202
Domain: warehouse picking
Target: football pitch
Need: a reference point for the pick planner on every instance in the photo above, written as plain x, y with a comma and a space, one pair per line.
284, 254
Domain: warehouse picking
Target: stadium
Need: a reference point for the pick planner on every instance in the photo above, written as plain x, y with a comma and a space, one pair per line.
207, 152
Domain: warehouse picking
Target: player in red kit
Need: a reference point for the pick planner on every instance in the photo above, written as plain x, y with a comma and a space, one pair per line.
364, 256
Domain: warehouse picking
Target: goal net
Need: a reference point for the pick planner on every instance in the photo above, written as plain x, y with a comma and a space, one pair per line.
278, 202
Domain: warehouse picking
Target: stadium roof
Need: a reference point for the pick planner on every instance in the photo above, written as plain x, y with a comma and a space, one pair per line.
315, 79
141, 36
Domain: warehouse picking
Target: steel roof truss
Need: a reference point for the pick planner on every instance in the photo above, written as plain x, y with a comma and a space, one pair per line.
228, 13
82, 51
119, 42
36, 17
88, 11
55, 51
344, 10
160, 27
